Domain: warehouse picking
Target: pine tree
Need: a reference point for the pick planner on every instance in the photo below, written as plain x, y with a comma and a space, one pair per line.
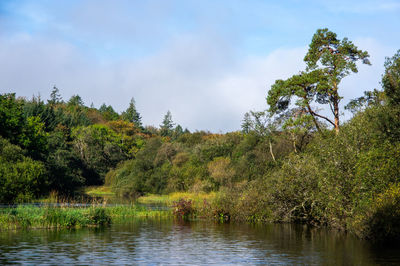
132, 115
328, 60
55, 96
167, 125
247, 123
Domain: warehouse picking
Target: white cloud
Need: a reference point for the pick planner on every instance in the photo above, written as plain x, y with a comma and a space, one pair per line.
109, 52
368, 77
200, 80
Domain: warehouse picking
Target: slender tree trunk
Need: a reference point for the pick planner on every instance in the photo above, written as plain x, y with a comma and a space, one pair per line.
314, 119
294, 146
336, 109
270, 150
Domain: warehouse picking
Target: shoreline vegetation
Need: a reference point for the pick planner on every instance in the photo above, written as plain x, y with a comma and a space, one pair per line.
290, 163
65, 216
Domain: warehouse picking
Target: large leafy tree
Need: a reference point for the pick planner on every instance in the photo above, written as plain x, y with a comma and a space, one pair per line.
100, 149
328, 60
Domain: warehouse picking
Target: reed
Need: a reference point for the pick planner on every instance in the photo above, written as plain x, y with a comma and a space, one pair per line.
67, 216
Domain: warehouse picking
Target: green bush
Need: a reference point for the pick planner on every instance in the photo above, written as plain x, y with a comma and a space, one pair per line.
383, 219
21, 178
99, 216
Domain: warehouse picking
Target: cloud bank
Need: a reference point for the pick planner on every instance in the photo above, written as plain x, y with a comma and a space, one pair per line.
199, 63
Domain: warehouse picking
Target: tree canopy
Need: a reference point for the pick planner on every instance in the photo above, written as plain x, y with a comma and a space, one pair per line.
391, 79
328, 60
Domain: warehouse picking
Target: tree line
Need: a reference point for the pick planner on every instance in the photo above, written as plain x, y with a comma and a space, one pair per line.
62, 145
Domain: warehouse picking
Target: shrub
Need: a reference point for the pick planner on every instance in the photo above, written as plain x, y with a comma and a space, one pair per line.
183, 209
99, 216
383, 222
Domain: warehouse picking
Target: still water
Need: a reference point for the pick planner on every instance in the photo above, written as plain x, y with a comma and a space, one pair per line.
154, 242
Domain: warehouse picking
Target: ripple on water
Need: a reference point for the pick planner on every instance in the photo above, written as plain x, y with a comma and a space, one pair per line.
167, 242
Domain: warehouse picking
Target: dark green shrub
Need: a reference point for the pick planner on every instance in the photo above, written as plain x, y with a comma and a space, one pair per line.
383, 221
100, 217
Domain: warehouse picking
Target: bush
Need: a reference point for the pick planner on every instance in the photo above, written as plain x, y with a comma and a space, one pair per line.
383, 219
183, 209
99, 216
21, 178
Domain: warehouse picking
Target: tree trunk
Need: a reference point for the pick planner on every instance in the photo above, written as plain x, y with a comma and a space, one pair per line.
270, 150
336, 107
336, 111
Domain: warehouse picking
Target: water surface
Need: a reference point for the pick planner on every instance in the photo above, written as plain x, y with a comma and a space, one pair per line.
154, 242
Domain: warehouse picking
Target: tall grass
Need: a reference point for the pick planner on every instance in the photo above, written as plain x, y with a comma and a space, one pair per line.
99, 191
25, 217
168, 200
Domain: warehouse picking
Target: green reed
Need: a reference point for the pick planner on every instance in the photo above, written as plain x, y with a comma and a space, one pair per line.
25, 217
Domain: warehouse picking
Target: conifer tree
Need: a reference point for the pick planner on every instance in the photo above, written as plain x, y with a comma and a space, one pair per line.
167, 125
328, 60
132, 115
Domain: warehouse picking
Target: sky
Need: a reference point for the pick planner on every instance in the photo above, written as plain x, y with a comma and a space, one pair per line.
207, 61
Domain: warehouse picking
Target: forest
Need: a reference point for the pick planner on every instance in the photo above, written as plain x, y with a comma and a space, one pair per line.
292, 162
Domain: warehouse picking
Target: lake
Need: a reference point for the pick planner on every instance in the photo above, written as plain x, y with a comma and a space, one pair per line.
165, 241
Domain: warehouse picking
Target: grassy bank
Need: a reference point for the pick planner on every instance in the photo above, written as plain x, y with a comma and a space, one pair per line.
28, 217
197, 199
99, 191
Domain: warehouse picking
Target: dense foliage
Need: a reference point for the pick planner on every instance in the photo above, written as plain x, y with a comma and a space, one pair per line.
60, 146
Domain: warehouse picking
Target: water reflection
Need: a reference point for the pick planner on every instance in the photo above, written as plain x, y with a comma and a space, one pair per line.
154, 241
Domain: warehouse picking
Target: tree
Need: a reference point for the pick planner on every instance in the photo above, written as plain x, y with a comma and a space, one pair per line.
99, 148
328, 61
370, 98
21, 178
177, 132
11, 117
306, 87
261, 125
336, 59
75, 100
132, 115
55, 97
108, 112
247, 122
391, 79
167, 125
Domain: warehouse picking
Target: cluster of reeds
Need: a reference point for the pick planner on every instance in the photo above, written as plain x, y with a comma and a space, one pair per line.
52, 217
68, 215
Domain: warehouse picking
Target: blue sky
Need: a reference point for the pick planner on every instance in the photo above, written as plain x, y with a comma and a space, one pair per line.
208, 62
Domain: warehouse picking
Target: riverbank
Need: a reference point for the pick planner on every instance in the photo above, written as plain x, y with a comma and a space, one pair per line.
378, 223
197, 199
34, 217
